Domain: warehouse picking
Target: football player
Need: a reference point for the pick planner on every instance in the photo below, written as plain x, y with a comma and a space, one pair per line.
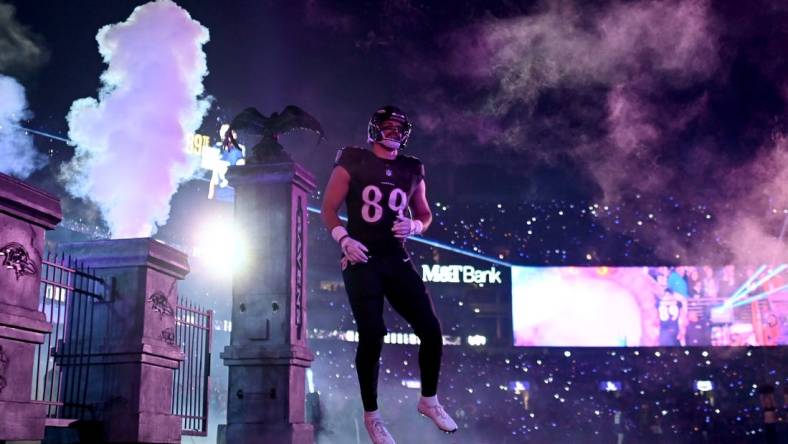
385, 195
673, 319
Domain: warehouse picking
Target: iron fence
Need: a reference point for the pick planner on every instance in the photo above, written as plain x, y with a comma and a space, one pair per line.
68, 293
190, 385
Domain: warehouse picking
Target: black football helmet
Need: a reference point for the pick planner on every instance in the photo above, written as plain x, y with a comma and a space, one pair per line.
388, 112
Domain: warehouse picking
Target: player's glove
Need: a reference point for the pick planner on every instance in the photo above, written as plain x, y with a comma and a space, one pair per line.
354, 250
405, 227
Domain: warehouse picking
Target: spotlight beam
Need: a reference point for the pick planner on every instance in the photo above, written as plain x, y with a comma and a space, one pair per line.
770, 275
760, 296
763, 280
41, 133
744, 286
441, 245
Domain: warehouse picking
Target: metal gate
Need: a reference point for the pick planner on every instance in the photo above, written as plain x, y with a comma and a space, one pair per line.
190, 385
67, 295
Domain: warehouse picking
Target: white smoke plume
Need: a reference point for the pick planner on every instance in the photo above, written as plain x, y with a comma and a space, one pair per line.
20, 52
18, 156
131, 142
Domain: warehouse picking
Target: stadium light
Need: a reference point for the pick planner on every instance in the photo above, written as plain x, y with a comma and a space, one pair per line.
477, 340
411, 383
220, 247
350, 336
704, 386
519, 386
310, 380
610, 386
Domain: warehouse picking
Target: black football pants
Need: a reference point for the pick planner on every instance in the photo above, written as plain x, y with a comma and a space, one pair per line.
392, 276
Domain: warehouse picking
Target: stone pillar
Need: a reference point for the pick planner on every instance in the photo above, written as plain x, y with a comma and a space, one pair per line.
268, 353
25, 214
133, 353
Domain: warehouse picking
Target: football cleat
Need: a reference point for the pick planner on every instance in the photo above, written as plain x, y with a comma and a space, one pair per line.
377, 431
438, 415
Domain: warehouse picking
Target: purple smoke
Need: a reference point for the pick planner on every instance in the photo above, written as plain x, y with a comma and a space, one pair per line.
625, 62
131, 141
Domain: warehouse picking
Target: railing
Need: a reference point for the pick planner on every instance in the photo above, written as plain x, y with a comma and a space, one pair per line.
190, 383
67, 295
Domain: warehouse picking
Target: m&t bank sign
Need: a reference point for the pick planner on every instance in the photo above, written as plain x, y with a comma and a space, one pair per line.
460, 273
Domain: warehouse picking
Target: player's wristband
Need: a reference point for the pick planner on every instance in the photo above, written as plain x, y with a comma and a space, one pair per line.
417, 227
339, 233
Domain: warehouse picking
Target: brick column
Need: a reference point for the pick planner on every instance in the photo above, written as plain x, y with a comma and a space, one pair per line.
268, 354
133, 353
25, 215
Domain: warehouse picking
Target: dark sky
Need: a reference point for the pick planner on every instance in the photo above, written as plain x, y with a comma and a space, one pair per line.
519, 101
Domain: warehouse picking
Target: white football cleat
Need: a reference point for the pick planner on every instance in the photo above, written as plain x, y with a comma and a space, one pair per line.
438, 415
377, 430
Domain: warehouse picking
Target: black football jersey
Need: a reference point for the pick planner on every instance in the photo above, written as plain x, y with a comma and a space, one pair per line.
380, 189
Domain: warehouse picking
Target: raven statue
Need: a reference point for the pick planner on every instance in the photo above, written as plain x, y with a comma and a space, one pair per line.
268, 149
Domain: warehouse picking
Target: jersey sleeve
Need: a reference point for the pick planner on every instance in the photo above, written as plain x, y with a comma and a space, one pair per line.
418, 170
347, 158
415, 167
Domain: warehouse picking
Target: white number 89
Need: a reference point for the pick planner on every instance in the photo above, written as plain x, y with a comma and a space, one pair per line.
371, 211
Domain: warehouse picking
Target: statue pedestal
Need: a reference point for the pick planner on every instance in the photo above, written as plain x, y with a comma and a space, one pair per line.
268, 353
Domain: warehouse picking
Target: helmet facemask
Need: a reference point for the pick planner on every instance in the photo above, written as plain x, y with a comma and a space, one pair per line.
375, 129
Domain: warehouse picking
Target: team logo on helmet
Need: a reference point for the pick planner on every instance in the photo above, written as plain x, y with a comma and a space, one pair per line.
389, 112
